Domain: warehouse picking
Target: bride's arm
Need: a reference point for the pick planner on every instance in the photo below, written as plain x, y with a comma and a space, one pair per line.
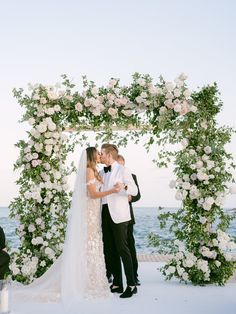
92, 187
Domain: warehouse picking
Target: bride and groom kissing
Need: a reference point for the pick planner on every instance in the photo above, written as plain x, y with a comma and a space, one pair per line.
99, 235
113, 187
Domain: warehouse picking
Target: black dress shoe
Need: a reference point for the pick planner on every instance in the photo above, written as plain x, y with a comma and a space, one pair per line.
137, 282
116, 289
129, 292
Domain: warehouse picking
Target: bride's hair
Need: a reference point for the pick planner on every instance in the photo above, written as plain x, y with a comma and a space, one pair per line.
92, 161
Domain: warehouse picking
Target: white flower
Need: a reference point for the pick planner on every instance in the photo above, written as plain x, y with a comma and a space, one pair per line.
193, 108
94, 91
202, 220
204, 124
112, 111
199, 164
218, 263
182, 77
207, 150
193, 176
57, 108
162, 110
179, 196
177, 92
141, 82
153, 90
169, 86
31, 228
186, 186
185, 276
184, 142
171, 270
112, 83
52, 126
31, 121
177, 108
43, 263
127, 113
38, 221
187, 93
79, 107
42, 127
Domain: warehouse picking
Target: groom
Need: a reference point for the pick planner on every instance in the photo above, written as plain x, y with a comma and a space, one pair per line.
115, 220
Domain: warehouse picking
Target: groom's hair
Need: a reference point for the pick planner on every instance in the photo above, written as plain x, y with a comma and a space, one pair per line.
111, 149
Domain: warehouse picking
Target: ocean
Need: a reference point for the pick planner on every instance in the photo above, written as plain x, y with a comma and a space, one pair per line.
146, 222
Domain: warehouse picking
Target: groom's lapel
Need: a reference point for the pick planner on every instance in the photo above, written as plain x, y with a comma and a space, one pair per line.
114, 173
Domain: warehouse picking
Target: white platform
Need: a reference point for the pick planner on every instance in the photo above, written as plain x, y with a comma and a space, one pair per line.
155, 295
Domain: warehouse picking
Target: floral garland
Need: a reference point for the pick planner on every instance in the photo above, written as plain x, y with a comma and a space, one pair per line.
164, 112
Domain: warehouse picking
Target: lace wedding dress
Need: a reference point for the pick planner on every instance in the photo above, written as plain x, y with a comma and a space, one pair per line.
97, 284
79, 273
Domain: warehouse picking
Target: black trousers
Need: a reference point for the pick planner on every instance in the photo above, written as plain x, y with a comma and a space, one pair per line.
132, 249
115, 239
4, 263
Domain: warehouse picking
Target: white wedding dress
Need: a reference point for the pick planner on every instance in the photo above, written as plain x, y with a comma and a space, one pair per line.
79, 273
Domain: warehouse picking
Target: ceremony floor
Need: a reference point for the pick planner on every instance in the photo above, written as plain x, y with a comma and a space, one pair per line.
155, 295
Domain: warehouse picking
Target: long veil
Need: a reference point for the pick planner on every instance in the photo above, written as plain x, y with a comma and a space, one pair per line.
66, 279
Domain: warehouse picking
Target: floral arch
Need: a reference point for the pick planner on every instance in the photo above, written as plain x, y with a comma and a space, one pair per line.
163, 112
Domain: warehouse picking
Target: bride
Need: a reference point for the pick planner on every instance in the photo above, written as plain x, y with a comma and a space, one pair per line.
79, 273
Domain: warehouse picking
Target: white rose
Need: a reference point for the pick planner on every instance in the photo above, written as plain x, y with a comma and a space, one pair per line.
31, 121
171, 270
207, 150
127, 113
153, 90
185, 276
43, 100
162, 110
112, 111
38, 221
49, 111
179, 196
193, 109
57, 175
193, 176
57, 108
182, 77
31, 228
79, 107
177, 92
52, 126
203, 220
199, 164
94, 91
187, 93
169, 86
42, 127
177, 108
186, 186
141, 82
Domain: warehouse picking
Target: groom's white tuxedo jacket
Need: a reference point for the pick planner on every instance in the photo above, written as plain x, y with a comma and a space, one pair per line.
118, 203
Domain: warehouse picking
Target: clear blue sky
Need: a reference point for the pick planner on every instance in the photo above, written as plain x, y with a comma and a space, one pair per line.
42, 39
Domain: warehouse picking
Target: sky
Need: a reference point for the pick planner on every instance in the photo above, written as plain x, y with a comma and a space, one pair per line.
40, 40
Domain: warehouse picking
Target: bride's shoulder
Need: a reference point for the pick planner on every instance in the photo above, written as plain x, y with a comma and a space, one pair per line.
90, 173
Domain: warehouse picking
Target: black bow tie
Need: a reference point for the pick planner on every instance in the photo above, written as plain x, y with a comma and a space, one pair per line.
106, 169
